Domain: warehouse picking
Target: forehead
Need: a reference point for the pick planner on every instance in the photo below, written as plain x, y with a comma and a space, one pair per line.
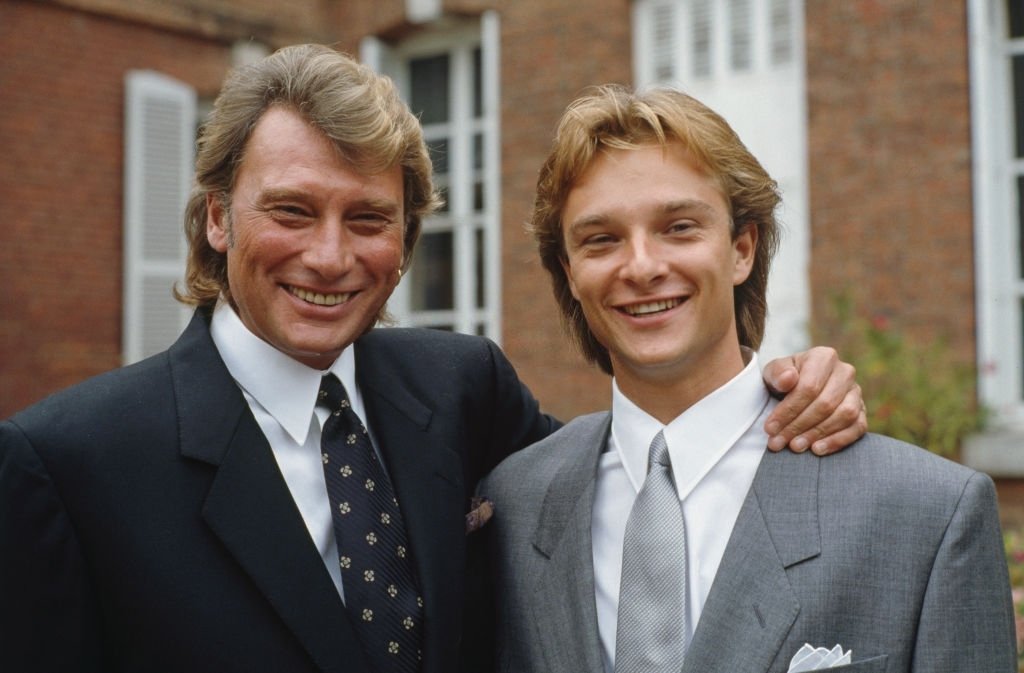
628, 181
285, 150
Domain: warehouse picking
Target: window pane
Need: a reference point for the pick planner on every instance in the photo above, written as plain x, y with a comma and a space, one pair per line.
481, 280
429, 88
478, 151
1018, 101
740, 34
431, 285
700, 26
1020, 223
439, 155
478, 196
478, 87
1015, 10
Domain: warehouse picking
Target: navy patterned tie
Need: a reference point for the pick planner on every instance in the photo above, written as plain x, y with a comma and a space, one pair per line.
377, 574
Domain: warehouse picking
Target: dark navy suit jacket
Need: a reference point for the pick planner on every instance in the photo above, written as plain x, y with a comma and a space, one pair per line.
145, 526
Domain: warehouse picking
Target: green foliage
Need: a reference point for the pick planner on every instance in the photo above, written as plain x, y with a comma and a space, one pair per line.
916, 392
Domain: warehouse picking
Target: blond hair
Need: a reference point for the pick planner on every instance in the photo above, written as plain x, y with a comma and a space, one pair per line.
615, 117
357, 109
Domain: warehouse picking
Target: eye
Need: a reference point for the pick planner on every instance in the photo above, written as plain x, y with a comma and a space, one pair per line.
371, 221
596, 240
289, 214
679, 227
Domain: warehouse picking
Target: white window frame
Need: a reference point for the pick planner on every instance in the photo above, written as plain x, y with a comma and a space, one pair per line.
458, 40
159, 146
996, 229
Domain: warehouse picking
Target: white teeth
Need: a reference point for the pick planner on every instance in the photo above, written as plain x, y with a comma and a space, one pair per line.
320, 299
652, 307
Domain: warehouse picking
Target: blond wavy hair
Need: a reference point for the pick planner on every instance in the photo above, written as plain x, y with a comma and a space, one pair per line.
356, 108
614, 117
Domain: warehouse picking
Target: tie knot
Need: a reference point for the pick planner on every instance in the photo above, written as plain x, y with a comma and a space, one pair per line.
332, 393
658, 453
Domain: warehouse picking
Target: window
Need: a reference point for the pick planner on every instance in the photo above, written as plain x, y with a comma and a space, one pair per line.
160, 122
997, 100
449, 80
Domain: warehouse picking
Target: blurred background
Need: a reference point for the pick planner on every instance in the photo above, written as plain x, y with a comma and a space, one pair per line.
894, 127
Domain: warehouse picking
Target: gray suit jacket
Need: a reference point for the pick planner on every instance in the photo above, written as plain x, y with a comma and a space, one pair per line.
884, 548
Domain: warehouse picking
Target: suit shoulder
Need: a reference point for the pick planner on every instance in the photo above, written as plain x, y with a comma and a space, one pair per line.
108, 400
907, 471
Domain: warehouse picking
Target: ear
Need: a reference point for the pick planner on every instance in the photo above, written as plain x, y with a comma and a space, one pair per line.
216, 223
568, 276
744, 247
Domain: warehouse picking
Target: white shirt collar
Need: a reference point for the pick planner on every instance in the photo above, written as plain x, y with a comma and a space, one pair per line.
285, 387
698, 438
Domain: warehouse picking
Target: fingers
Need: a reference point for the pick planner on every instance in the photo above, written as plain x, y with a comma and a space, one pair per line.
824, 411
815, 371
845, 426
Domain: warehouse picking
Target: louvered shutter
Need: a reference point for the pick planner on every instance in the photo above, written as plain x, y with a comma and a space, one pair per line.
160, 119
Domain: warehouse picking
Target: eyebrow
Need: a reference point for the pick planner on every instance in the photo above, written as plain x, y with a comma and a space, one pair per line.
667, 208
272, 194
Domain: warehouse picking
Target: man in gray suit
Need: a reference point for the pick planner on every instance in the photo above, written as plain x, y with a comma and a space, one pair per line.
662, 536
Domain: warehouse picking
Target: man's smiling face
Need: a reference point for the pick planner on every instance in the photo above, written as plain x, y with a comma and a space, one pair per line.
313, 246
652, 261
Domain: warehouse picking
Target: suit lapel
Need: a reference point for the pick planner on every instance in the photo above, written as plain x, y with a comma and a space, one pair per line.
565, 614
428, 482
248, 506
751, 606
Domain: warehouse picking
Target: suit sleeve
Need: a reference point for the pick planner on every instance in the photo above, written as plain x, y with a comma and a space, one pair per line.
48, 616
517, 421
967, 621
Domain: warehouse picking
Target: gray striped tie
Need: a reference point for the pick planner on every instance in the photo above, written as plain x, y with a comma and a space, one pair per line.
654, 630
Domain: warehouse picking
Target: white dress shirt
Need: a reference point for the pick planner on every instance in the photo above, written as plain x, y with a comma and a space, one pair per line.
282, 394
716, 446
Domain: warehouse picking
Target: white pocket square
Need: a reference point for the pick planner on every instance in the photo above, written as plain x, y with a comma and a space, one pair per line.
810, 658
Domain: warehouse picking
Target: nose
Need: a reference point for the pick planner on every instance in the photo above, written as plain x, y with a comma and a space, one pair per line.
329, 249
646, 262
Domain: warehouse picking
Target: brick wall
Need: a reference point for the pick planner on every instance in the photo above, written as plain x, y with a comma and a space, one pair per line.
62, 80
890, 163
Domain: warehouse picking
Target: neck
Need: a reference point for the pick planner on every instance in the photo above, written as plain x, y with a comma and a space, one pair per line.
667, 396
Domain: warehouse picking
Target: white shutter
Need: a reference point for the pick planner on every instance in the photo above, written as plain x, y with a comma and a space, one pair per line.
656, 26
701, 39
160, 120
741, 35
781, 32
663, 41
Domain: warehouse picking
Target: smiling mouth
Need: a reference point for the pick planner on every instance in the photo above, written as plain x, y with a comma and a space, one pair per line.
318, 298
651, 307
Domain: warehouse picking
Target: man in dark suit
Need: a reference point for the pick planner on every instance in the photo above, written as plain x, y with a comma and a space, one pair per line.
661, 537
221, 506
